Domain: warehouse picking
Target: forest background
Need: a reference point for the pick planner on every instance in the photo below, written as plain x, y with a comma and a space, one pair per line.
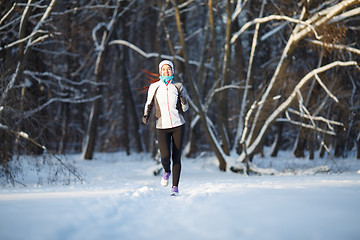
258, 73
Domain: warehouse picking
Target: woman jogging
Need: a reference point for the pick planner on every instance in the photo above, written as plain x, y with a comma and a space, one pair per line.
170, 102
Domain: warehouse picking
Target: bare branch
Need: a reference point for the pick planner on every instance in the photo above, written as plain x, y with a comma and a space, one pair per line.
283, 106
304, 125
239, 7
29, 43
42, 20
22, 40
316, 118
325, 88
231, 86
52, 100
335, 46
297, 35
325, 16
247, 81
8, 13
60, 78
271, 18
345, 15
150, 55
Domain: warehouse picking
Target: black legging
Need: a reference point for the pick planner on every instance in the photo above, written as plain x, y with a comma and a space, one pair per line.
174, 138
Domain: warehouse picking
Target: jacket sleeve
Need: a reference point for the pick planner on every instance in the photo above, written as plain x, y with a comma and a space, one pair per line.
183, 98
148, 105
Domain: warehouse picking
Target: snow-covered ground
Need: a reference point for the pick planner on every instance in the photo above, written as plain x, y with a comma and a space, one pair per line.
122, 199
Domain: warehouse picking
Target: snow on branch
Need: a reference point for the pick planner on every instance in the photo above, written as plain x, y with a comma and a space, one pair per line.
150, 55
326, 15
60, 78
271, 18
298, 33
8, 13
335, 46
230, 86
61, 86
92, 8
345, 15
98, 47
325, 88
137, 49
316, 118
170, 12
35, 5
304, 125
66, 100
318, 19
278, 28
239, 7
40, 39
22, 40
284, 105
249, 113
28, 45
42, 20
248, 76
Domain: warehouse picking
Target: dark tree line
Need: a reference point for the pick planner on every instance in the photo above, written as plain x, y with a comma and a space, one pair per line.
258, 73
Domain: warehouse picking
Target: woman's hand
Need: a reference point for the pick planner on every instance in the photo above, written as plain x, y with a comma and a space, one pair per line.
145, 120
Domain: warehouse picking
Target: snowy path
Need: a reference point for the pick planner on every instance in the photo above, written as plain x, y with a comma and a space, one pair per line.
122, 200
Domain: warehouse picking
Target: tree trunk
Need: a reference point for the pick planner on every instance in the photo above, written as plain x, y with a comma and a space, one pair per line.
221, 98
95, 109
311, 143
65, 112
237, 143
92, 127
6, 147
193, 148
278, 139
140, 145
94, 115
130, 99
299, 150
358, 147
69, 28
125, 113
209, 134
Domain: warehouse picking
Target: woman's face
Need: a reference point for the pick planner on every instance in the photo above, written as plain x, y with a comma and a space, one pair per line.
166, 70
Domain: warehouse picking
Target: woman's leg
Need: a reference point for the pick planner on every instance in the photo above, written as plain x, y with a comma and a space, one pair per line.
177, 145
164, 140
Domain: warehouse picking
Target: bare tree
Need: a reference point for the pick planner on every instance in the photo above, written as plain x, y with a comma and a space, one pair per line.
100, 45
252, 136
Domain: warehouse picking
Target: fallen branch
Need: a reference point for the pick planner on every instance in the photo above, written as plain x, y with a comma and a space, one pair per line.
26, 136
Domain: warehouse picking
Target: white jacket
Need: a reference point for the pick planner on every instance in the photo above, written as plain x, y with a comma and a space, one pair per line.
170, 101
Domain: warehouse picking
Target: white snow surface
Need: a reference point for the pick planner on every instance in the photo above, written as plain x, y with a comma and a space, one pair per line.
122, 199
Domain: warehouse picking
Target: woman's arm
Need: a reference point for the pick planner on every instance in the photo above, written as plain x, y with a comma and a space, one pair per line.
183, 98
148, 105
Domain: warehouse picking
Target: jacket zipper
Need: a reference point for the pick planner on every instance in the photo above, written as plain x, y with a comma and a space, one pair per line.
168, 103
